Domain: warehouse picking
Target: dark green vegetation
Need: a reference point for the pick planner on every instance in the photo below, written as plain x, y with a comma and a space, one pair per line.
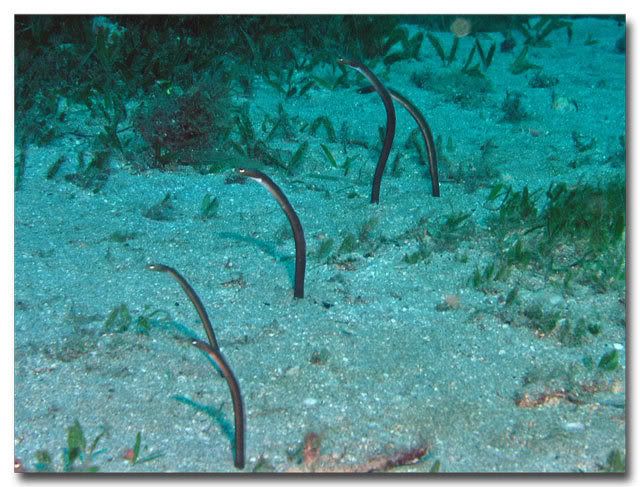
426, 236
469, 67
609, 361
120, 320
521, 63
19, 163
162, 90
92, 175
365, 242
512, 107
163, 210
465, 83
209, 207
578, 234
536, 34
132, 455
566, 236
540, 79
79, 455
616, 462
456, 85
444, 235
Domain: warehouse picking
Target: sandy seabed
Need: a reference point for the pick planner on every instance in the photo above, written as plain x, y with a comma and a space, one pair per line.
382, 356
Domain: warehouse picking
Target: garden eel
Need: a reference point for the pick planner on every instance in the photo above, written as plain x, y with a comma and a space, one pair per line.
193, 297
296, 226
236, 397
391, 123
214, 352
424, 128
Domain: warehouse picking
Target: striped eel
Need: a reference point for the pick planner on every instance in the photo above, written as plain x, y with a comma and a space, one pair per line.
192, 296
214, 352
294, 221
236, 398
424, 128
391, 122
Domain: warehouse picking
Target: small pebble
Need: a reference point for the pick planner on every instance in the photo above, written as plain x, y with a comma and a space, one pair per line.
574, 427
292, 371
556, 299
310, 401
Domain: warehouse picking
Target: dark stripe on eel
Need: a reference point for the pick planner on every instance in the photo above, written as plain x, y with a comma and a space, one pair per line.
391, 123
427, 135
296, 226
193, 297
236, 397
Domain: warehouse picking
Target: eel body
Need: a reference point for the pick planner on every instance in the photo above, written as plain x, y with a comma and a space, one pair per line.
294, 221
236, 398
391, 123
427, 135
192, 296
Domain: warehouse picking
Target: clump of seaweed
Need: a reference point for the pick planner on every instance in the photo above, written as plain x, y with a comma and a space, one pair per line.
19, 164
94, 175
593, 218
132, 455
540, 79
522, 64
209, 207
609, 361
468, 68
536, 34
446, 59
474, 172
254, 143
108, 61
324, 248
444, 236
55, 167
512, 108
179, 128
516, 208
577, 234
455, 86
616, 462
455, 229
581, 142
163, 210
78, 455
365, 241
120, 320
618, 155
508, 43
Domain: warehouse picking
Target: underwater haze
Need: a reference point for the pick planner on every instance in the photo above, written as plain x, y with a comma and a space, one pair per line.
272, 244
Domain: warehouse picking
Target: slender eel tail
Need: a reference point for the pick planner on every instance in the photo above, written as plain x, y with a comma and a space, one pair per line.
213, 351
192, 296
427, 135
236, 398
391, 123
296, 226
